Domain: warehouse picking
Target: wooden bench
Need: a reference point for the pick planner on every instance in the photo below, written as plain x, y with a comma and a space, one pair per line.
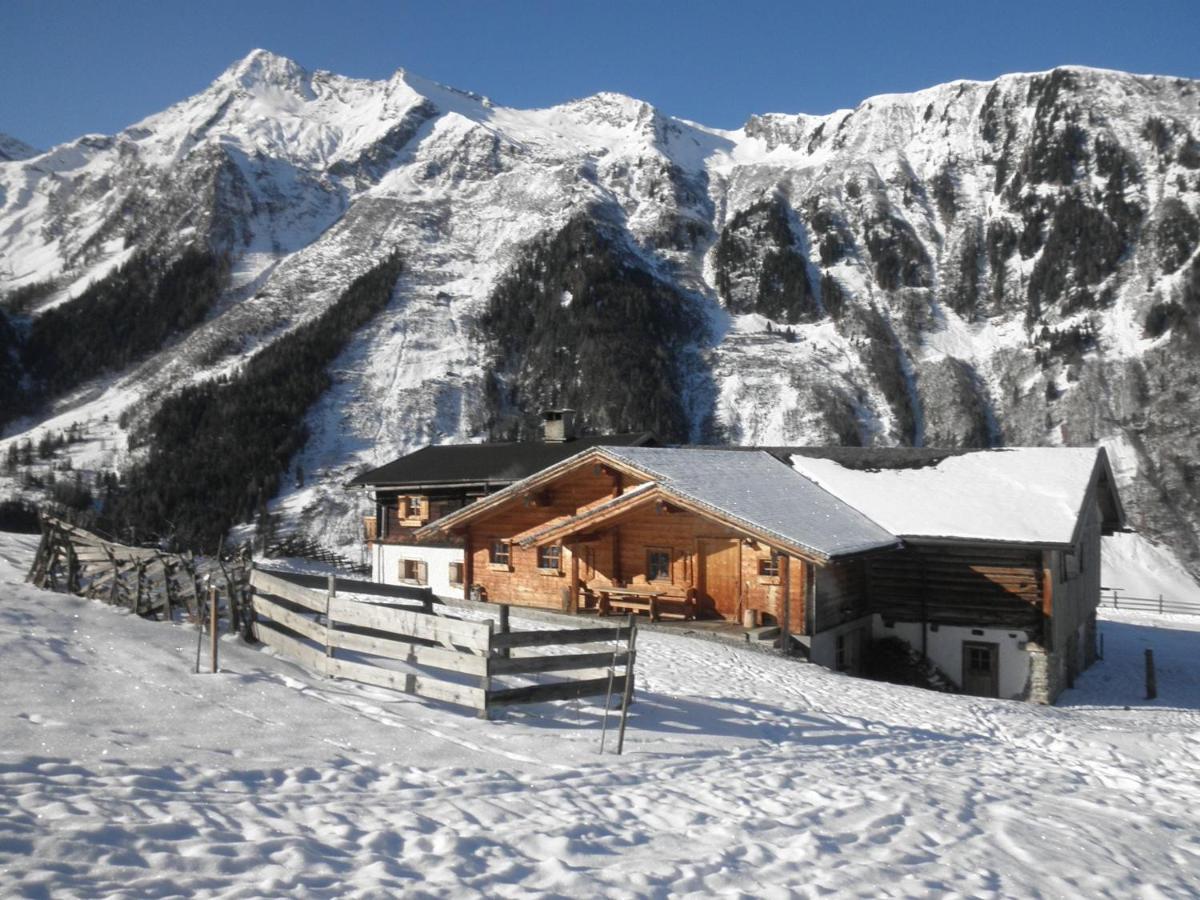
656, 603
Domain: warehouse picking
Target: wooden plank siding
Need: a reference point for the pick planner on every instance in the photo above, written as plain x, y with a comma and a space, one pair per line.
617, 555
840, 593
989, 586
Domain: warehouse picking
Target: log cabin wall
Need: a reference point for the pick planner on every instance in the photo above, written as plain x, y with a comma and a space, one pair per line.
977, 586
841, 593
765, 593
394, 525
618, 553
522, 582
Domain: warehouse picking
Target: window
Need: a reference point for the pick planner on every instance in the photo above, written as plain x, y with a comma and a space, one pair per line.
769, 566
658, 565
549, 557
413, 507
412, 571
456, 573
979, 660
500, 555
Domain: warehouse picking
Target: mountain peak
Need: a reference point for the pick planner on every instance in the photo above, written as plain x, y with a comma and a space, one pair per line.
262, 68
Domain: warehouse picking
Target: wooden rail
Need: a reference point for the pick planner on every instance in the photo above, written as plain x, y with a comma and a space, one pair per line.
407, 644
1112, 598
147, 581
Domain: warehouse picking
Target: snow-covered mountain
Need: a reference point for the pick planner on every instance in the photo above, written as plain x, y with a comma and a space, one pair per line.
12, 149
1010, 262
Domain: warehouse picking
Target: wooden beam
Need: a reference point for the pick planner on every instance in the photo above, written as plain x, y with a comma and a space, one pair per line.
528, 665
560, 636
543, 693
449, 632
434, 657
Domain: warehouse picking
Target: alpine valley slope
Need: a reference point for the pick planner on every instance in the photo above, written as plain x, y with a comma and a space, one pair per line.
1012, 262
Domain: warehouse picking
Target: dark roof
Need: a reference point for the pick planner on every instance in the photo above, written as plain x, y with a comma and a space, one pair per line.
494, 464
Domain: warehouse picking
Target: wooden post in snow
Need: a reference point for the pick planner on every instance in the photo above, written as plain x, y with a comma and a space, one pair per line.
485, 681
504, 629
212, 627
627, 697
330, 593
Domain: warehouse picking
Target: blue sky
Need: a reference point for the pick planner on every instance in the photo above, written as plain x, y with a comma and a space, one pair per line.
67, 68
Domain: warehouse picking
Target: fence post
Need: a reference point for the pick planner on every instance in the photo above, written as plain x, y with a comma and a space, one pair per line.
212, 626
1160, 604
1151, 681
72, 568
330, 593
627, 696
485, 680
504, 651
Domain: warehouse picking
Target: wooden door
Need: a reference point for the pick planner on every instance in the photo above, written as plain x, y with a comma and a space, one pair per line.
981, 669
720, 577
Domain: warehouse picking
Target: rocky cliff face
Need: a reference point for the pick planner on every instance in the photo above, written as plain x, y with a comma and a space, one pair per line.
1012, 262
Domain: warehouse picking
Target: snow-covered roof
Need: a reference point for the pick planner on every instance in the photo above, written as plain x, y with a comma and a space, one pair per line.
757, 489
1028, 495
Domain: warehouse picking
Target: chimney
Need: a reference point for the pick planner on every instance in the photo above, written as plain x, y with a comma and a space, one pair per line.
558, 425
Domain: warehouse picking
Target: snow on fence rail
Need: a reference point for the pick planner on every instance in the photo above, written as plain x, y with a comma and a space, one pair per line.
146, 580
407, 644
1112, 598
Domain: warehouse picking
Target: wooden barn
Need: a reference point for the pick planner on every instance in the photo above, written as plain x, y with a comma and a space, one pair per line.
986, 562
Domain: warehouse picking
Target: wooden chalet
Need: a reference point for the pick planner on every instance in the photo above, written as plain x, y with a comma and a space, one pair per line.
985, 562
708, 533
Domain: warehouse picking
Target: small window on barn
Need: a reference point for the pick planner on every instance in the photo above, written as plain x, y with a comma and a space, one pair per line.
413, 571
456, 573
658, 564
549, 558
768, 567
413, 507
501, 554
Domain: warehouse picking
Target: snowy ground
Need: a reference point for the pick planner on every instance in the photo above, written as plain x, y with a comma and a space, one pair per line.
121, 773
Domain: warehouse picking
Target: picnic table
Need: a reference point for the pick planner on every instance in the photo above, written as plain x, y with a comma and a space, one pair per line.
640, 598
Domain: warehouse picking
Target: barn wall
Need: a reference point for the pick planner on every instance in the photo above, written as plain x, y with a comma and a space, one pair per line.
841, 594
944, 648
959, 585
1070, 646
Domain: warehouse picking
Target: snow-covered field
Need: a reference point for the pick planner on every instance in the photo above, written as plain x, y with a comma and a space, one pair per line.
122, 773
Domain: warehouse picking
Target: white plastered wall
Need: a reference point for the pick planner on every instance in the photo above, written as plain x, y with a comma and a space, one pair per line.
823, 650
386, 560
944, 649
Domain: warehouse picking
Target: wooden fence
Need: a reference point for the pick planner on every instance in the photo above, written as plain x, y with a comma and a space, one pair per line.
1112, 598
147, 581
304, 547
404, 642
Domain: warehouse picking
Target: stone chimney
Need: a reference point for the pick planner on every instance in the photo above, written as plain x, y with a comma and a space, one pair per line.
558, 425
